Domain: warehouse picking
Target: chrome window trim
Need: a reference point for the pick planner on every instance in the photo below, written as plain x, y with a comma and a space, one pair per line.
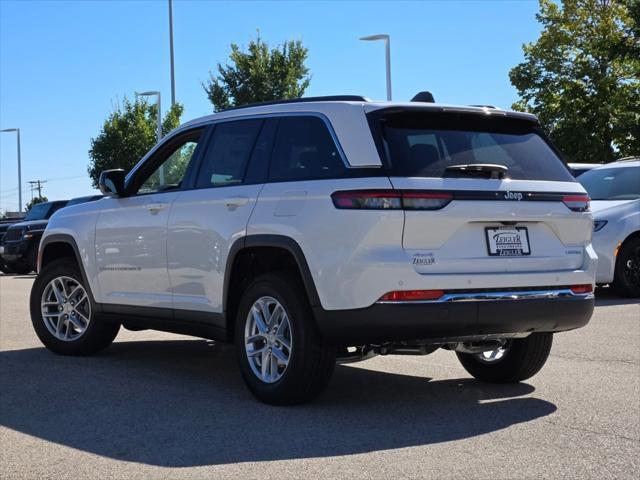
505, 295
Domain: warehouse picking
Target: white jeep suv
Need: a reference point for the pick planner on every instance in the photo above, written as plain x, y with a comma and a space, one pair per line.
327, 229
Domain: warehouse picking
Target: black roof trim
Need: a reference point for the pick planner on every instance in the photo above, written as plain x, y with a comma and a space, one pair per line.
329, 98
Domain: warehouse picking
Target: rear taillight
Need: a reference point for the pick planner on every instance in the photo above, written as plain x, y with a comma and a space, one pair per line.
413, 200
577, 203
581, 289
368, 199
390, 199
411, 295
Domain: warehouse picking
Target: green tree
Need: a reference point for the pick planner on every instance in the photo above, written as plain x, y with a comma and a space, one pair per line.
582, 77
127, 135
35, 201
259, 74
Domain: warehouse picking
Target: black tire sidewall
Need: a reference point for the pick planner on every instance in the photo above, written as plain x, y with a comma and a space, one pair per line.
303, 332
97, 335
524, 358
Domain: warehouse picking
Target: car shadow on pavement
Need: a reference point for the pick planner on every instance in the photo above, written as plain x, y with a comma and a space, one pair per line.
607, 296
183, 403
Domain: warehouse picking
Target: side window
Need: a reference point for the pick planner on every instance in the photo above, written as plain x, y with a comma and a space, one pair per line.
171, 171
304, 150
229, 150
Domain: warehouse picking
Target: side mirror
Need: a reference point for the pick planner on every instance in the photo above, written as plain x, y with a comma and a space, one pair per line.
111, 182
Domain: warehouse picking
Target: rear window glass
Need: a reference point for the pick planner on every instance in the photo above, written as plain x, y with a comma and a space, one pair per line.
424, 145
622, 183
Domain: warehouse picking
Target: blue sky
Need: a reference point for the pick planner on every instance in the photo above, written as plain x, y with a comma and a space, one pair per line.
63, 64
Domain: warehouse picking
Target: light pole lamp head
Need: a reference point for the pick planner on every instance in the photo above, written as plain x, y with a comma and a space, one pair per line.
147, 94
10, 130
379, 36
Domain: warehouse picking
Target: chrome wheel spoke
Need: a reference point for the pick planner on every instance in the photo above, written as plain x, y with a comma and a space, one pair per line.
255, 338
265, 364
280, 356
259, 320
275, 316
267, 339
284, 342
57, 292
255, 353
75, 321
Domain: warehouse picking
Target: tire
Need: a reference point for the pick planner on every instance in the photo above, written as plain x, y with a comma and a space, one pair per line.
627, 274
310, 360
82, 338
523, 358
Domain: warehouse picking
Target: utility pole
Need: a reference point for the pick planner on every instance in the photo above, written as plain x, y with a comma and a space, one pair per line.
38, 187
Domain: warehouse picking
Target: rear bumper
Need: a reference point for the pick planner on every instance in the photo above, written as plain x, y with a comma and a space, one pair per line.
386, 322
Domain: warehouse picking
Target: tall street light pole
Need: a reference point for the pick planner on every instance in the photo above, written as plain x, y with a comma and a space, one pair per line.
173, 78
387, 43
159, 126
17, 130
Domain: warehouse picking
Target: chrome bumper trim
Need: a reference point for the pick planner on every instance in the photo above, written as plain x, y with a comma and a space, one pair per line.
498, 296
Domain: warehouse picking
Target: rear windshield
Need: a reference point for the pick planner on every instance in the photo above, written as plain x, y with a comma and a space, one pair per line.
420, 144
622, 183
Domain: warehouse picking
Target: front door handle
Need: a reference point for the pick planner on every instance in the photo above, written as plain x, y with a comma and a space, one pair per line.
155, 207
236, 201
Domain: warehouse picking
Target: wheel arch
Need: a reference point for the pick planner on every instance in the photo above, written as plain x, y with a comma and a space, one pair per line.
60, 245
255, 254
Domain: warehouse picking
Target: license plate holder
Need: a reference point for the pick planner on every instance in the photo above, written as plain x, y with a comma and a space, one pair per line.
507, 241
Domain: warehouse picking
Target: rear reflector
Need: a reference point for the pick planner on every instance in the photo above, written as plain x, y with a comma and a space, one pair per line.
577, 203
425, 200
581, 289
412, 295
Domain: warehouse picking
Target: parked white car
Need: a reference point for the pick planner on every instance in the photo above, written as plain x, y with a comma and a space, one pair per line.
615, 201
579, 168
329, 229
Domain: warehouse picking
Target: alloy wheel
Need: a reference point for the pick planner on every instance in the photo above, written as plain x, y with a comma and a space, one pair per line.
267, 339
66, 309
632, 268
494, 356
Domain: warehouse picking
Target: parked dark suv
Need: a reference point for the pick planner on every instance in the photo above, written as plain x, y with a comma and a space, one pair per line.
19, 249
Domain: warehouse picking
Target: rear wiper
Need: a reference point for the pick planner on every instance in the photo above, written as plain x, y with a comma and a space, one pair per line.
476, 170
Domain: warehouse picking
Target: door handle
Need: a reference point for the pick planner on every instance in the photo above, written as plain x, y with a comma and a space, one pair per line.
155, 207
236, 201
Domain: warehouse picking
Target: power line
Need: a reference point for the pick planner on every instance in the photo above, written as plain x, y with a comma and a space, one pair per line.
39, 183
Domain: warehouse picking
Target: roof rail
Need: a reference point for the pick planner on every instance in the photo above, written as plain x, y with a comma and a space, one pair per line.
628, 159
328, 98
485, 106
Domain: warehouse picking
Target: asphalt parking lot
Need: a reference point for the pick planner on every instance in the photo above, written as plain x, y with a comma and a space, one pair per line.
157, 405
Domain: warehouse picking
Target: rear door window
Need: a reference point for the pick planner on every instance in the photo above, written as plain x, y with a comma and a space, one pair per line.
226, 158
304, 150
424, 145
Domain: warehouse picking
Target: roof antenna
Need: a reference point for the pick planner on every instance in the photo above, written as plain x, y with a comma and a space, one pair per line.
424, 97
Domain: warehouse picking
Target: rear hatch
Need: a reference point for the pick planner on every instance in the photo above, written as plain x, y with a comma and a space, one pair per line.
482, 192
